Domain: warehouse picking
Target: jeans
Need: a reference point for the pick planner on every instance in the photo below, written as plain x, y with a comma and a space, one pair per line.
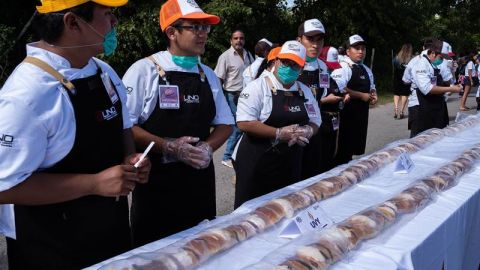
232, 99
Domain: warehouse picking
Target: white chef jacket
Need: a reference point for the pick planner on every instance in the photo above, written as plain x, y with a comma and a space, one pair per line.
255, 101
38, 120
141, 80
343, 75
251, 71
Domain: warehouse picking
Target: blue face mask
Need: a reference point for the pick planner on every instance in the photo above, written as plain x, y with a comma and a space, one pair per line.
186, 62
110, 42
287, 74
311, 59
437, 62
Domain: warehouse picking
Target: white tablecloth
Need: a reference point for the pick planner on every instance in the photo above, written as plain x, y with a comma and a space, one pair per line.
446, 231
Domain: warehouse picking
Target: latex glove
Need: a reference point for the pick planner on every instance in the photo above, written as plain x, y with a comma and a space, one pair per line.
285, 134
302, 141
207, 154
182, 149
305, 131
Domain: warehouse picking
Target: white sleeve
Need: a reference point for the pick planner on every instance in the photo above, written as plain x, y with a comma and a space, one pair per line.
446, 73
251, 101
141, 81
372, 79
221, 69
342, 76
223, 114
420, 76
317, 119
407, 78
247, 76
23, 142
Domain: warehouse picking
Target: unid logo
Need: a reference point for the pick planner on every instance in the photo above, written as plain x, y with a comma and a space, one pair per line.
193, 3
6, 140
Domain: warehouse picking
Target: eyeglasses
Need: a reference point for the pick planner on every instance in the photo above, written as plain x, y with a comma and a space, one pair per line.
195, 28
290, 63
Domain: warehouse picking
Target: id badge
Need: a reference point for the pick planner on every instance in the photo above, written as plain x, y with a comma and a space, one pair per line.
169, 97
324, 81
109, 87
335, 123
433, 80
310, 110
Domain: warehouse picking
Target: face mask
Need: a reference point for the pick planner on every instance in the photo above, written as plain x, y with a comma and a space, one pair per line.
437, 62
311, 59
186, 62
287, 74
109, 40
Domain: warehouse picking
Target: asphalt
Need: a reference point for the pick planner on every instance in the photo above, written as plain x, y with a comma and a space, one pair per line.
382, 129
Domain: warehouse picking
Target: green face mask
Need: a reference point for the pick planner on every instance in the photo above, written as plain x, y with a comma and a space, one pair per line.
437, 62
186, 62
311, 59
287, 74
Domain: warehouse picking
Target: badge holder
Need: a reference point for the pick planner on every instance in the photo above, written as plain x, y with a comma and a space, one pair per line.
169, 96
109, 87
324, 81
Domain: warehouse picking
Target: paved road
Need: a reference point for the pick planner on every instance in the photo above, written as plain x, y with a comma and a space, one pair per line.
382, 129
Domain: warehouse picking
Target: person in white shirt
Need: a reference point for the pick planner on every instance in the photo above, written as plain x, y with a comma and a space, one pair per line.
357, 80
430, 85
467, 81
278, 116
67, 154
262, 48
229, 69
177, 102
315, 75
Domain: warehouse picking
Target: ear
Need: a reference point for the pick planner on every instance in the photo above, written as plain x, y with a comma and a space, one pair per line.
170, 32
299, 39
70, 22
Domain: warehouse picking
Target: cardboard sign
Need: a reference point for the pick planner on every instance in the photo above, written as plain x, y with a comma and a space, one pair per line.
312, 219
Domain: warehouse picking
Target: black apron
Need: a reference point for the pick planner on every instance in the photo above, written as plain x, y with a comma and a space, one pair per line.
262, 167
352, 137
177, 196
78, 233
432, 110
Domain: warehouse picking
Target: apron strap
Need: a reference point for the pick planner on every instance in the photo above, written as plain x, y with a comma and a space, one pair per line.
47, 68
160, 70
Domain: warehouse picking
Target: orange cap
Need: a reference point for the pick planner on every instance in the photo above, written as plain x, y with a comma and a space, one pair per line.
273, 53
58, 5
173, 10
293, 50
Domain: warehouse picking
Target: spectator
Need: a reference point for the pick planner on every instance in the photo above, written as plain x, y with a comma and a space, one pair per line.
400, 90
229, 69
467, 81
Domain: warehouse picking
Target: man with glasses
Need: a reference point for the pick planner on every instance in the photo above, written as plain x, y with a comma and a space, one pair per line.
428, 83
67, 150
319, 153
177, 102
229, 69
278, 116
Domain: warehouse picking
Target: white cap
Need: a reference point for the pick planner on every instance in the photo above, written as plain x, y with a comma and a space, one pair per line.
266, 41
354, 40
311, 27
293, 50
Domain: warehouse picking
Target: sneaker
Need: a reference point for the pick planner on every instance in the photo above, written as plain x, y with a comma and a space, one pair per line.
227, 163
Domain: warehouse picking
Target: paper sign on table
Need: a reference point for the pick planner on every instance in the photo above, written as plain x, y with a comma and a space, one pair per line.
311, 219
404, 164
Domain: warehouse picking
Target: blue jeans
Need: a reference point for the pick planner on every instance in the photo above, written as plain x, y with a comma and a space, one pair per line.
232, 99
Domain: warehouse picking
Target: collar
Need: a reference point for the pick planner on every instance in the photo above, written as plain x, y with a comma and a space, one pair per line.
279, 86
60, 63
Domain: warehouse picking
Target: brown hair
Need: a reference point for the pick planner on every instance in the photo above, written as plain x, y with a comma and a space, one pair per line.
405, 54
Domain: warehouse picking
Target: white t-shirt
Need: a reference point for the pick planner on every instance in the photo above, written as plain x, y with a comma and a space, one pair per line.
141, 80
251, 71
343, 75
469, 67
255, 101
38, 120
